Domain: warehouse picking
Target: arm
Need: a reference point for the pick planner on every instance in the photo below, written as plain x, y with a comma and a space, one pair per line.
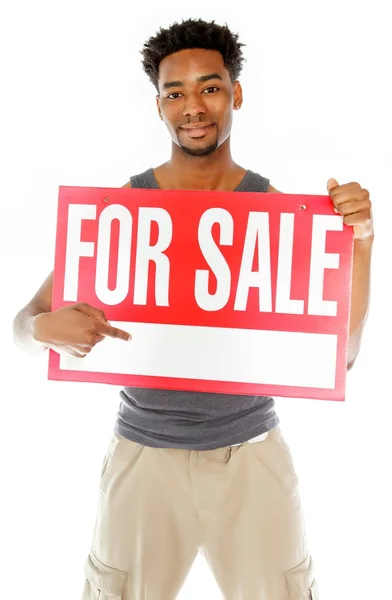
360, 295
74, 329
23, 324
353, 202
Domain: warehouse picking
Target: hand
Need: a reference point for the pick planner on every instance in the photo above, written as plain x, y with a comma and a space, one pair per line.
353, 203
74, 329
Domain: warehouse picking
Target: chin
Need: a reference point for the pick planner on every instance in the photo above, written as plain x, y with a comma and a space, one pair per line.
200, 151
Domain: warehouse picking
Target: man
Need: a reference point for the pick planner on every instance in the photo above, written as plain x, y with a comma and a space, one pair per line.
185, 470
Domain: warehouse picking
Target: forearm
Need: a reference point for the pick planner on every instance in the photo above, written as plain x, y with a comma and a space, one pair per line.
360, 295
23, 329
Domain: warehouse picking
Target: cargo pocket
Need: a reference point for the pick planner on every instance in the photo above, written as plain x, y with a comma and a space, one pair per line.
102, 582
301, 583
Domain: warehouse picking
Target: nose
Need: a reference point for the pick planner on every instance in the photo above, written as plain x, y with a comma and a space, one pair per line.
193, 106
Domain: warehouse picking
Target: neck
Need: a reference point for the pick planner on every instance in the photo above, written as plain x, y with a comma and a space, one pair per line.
217, 171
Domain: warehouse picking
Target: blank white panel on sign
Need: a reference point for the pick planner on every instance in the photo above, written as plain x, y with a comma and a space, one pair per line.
215, 354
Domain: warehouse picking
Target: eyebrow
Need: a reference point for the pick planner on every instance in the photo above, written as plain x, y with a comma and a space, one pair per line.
200, 79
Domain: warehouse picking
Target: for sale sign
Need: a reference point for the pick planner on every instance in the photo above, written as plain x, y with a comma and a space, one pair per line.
230, 292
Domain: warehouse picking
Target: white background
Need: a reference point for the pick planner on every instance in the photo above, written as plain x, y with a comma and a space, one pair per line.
77, 109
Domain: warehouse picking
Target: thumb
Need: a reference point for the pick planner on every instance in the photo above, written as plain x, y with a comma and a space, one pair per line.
331, 183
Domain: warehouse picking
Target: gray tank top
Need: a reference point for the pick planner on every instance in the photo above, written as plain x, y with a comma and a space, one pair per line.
193, 420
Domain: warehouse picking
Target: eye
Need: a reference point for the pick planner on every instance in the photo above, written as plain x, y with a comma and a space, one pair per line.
211, 89
170, 96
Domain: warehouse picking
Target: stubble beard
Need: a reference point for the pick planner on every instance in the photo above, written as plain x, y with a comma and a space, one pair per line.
198, 151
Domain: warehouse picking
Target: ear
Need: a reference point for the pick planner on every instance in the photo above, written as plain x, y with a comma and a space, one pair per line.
237, 95
159, 107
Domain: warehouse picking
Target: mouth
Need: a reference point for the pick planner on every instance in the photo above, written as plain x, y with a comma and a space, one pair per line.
197, 131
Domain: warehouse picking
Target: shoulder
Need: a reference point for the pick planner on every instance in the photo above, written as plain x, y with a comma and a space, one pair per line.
146, 179
254, 181
139, 180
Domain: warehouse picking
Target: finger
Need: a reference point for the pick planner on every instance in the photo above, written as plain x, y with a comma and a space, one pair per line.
348, 196
114, 332
331, 184
91, 339
84, 348
91, 311
350, 208
334, 188
76, 353
362, 218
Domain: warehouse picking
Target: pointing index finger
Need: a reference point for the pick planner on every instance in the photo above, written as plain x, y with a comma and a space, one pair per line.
114, 332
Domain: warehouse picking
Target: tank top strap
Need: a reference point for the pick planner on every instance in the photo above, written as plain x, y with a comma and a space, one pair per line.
144, 180
253, 182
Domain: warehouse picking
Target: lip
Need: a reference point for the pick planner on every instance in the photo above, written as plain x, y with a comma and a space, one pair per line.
196, 125
197, 130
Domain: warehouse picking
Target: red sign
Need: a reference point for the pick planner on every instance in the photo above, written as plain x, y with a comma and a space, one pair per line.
231, 292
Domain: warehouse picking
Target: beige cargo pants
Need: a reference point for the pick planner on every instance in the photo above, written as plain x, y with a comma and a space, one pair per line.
158, 507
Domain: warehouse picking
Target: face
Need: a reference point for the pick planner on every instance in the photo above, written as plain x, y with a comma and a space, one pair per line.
196, 100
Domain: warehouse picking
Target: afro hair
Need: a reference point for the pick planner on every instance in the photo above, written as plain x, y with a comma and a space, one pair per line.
192, 33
